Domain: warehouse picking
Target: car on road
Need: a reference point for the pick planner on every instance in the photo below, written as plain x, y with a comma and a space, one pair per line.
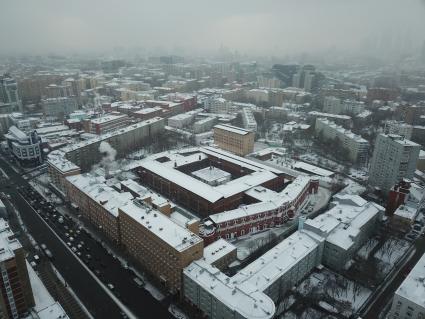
49, 253
43, 246
410, 237
138, 282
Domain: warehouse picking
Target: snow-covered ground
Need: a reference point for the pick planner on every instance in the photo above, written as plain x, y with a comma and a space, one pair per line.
366, 249
45, 306
247, 245
345, 295
352, 188
177, 312
308, 313
390, 252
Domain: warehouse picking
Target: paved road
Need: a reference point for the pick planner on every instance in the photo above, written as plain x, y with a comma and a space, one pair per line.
98, 302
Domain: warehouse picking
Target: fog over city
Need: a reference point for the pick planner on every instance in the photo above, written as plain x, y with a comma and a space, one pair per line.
193, 27
211, 159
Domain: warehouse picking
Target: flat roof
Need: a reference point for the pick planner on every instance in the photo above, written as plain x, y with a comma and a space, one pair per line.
217, 250
268, 268
413, 287
250, 304
8, 242
97, 190
343, 222
233, 129
103, 137
176, 236
58, 160
107, 118
261, 173
312, 169
211, 174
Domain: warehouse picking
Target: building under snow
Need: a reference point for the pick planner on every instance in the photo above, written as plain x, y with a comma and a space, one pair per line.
409, 299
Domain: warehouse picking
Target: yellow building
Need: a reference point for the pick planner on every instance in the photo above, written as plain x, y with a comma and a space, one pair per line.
160, 245
234, 139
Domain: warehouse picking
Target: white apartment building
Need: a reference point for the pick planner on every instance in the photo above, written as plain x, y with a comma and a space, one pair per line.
258, 95
409, 299
399, 128
356, 145
204, 125
59, 107
25, 147
251, 293
248, 119
346, 227
335, 105
268, 82
331, 238
394, 158
183, 119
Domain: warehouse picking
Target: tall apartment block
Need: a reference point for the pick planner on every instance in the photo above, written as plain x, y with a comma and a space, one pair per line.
394, 159
234, 139
16, 296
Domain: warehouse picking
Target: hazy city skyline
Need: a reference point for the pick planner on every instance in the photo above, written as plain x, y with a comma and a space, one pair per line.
197, 27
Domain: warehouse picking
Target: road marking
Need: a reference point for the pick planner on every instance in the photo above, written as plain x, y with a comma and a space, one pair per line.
106, 289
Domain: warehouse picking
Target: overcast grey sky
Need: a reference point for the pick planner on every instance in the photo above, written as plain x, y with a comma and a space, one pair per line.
200, 26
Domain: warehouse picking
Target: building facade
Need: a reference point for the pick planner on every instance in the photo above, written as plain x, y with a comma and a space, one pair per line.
234, 139
108, 123
356, 146
59, 107
26, 148
16, 297
394, 158
157, 243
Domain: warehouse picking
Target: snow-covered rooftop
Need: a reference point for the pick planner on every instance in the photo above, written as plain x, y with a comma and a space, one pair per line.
268, 268
176, 236
172, 160
269, 200
312, 169
95, 188
217, 250
103, 137
233, 129
250, 304
58, 160
108, 118
244, 292
413, 287
341, 224
8, 242
212, 174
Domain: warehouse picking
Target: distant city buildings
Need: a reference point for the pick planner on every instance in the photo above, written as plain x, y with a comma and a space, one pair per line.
356, 146
59, 107
394, 158
9, 96
248, 120
107, 123
335, 105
